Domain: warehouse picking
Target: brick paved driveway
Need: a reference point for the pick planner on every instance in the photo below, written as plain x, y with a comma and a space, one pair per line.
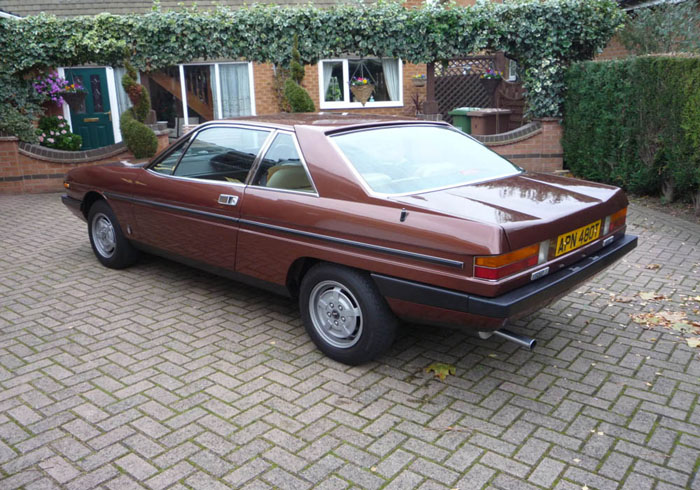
162, 376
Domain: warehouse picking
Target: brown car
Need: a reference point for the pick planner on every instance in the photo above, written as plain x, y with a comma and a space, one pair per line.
366, 221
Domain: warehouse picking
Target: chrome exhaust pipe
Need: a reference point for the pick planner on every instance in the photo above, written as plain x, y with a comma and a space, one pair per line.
521, 340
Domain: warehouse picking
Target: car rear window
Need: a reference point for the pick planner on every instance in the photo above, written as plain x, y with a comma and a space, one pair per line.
409, 159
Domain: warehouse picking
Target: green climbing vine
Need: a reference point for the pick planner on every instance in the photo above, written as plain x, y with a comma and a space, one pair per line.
545, 36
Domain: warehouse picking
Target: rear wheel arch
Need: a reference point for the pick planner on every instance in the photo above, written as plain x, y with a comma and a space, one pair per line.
296, 273
345, 314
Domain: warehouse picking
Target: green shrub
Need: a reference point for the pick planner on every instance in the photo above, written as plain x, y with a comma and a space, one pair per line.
545, 36
298, 98
19, 106
296, 69
54, 132
139, 138
664, 28
634, 123
137, 93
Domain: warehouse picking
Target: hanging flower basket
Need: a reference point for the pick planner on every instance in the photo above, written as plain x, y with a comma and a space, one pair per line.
74, 99
490, 84
362, 93
419, 82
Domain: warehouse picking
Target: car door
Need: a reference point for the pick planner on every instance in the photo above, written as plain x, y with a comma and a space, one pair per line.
187, 203
281, 196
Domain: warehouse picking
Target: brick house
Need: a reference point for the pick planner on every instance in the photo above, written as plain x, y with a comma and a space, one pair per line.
194, 92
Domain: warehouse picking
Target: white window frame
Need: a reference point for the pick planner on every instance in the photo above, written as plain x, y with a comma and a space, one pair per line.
512, 70
217, 86
345, 103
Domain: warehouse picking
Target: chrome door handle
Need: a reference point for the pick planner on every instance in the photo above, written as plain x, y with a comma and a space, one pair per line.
228, 199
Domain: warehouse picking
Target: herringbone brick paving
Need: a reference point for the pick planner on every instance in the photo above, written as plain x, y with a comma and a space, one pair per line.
161, 376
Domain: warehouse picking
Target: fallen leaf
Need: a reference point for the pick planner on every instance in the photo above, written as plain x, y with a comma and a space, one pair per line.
601, 433
672, 316
681, 327
653, 267
693, 341
441, 370
373, 468
623, 299
577, 460
647, 319
651, 296
696, 298
493, 355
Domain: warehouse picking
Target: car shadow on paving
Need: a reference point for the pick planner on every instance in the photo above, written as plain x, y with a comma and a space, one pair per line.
161, 376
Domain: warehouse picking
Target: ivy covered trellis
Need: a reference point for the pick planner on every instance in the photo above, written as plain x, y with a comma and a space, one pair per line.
544, 36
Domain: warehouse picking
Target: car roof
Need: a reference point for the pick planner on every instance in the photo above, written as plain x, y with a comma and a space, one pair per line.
326, 120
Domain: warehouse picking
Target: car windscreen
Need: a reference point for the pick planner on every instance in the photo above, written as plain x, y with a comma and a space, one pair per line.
408, 159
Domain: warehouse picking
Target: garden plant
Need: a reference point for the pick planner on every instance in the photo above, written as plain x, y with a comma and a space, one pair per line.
543, 36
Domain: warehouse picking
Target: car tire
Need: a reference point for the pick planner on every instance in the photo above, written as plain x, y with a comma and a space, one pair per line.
108, 242
345, 315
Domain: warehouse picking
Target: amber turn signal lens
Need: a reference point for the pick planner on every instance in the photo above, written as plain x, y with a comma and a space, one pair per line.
509, 258
618, 219
66, 185
494, 267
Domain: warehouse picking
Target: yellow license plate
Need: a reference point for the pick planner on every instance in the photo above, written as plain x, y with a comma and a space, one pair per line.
577, 238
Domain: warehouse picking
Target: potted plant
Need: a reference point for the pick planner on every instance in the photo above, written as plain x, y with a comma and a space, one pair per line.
490, 80
419, 80
54, 88
74, 95
361, 89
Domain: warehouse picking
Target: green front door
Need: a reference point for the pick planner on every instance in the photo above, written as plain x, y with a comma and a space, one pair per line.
93, 119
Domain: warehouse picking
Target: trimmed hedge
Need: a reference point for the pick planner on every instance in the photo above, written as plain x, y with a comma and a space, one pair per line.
139, 138
635, 123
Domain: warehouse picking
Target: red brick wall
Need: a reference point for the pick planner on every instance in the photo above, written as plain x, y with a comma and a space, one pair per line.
266, 100
614, 50
540, 152
21, 173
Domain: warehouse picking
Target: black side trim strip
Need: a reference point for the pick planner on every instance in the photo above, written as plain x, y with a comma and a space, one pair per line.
156, 204
342, 241
71, 201
513, 302
365, 246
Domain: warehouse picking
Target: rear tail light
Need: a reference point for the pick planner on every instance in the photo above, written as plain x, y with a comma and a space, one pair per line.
615, 221
495, 267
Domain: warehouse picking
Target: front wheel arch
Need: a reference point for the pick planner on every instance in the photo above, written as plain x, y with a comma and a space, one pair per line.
89, 200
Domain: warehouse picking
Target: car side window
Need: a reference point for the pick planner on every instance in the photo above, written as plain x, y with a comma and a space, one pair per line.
225, 154
167, 165
281, 167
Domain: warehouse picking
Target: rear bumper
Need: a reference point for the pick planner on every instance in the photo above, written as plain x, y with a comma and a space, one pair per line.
513, 303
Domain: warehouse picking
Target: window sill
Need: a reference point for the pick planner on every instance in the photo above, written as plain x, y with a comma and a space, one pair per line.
357, 105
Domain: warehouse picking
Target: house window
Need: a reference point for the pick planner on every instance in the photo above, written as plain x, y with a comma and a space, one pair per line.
216, 91
385, 74
512, 70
